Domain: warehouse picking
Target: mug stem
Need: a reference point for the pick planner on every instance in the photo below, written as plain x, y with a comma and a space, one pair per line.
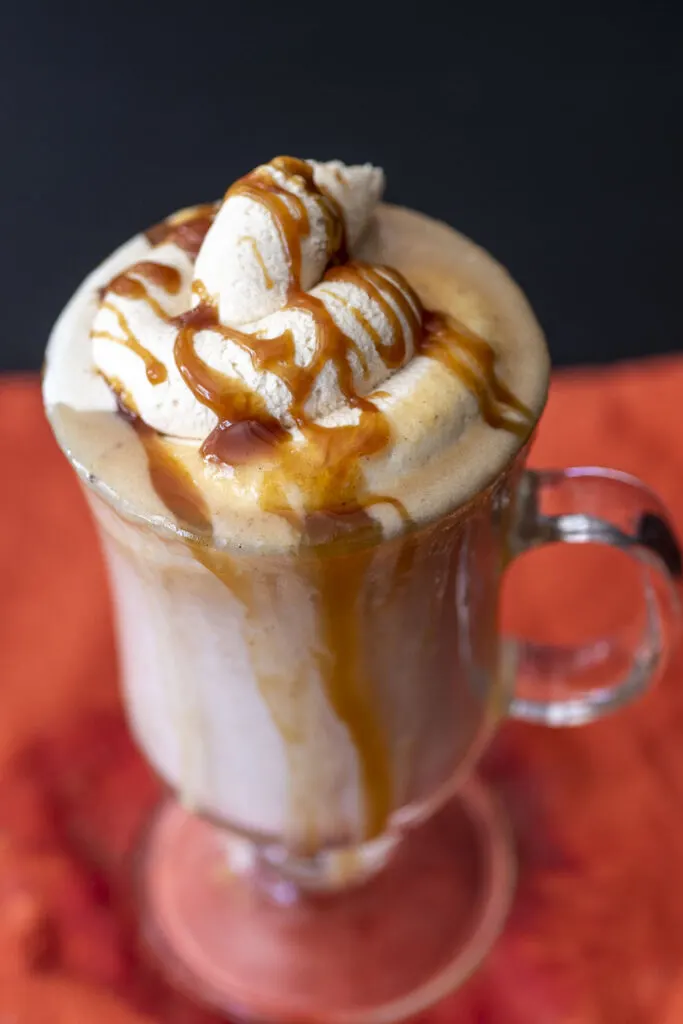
596, 506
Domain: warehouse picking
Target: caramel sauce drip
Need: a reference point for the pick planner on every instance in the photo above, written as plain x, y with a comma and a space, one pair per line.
128, 285
329, 207
387, 288
187, 230
289, 212
277, 355
340, 581
239, 443
172, 482
245, 427
361, 319
154, 368
473, 361
235, 404
227, 397
159, 274
253, 244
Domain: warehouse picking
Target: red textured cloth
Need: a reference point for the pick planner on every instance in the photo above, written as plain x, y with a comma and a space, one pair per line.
596, 933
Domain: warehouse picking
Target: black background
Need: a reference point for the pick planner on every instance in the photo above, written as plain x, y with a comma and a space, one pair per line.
551, 136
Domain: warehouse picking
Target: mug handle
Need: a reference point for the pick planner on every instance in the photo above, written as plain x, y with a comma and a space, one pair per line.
562, 685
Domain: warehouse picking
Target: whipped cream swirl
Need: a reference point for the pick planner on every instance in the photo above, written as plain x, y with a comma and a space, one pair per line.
275, 275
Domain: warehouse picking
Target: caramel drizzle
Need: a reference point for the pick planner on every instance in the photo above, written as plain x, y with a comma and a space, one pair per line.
233, 402
154, 368
326, 467
159, 274
329, 207
245, 427
228, 397
387, 289
267, 279
129, 286
473, 361
170, 479
342, 661
187, 230
277, 354
331, 345
360, 318
173, 482
288, 210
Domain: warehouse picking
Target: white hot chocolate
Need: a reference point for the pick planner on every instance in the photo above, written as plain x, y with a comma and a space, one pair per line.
295, 414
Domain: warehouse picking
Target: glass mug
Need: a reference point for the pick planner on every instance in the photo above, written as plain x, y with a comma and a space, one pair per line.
328, 855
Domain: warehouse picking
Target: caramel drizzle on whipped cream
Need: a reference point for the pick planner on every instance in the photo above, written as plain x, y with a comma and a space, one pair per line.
186, 229
326, 469
289, 212
241, 412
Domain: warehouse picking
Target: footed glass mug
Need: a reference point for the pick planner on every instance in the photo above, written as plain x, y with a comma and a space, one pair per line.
328, 855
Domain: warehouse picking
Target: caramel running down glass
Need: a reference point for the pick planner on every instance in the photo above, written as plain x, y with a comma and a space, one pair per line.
328, 889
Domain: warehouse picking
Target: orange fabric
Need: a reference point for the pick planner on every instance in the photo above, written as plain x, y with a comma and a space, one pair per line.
596, 933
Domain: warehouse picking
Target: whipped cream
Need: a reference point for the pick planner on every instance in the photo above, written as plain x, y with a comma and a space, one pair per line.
244, 270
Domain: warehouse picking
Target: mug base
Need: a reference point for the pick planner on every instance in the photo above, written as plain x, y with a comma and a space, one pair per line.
376, 953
